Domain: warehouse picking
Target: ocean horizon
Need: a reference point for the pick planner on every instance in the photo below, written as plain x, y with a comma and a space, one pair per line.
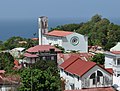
26, 28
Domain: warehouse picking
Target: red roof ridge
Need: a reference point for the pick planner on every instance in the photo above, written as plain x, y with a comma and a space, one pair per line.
59, 33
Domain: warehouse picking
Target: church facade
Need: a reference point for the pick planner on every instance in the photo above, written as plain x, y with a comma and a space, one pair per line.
70, 41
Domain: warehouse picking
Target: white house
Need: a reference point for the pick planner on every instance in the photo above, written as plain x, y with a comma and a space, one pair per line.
80, 74
70, 41
112, 60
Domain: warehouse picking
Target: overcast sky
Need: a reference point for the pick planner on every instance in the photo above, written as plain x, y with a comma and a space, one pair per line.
20, 9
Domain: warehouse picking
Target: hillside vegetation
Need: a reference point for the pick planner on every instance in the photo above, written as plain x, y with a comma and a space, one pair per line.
100, 31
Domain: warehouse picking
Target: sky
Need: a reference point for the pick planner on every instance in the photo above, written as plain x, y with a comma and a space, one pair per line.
19, 17
25, 9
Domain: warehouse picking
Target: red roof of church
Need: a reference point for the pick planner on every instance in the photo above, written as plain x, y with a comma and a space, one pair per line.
59, 33
42, 48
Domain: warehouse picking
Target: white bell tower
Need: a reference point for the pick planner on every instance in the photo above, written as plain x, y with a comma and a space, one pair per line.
43, 27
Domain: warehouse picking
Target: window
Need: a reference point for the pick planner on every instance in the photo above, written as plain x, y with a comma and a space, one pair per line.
96, 77
93, 77
118, 75
52, 58
118, 61
99, 74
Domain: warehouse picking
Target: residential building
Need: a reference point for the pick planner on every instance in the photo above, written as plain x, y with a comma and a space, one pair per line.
40, 52
79, 74
112, 60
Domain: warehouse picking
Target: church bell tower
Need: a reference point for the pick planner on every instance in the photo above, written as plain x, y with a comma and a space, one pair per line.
43, 27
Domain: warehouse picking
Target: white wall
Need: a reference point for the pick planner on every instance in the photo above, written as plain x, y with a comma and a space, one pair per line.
80, 83
70, 79
82, 45
94, 69
66, 43
109, 61
52, 40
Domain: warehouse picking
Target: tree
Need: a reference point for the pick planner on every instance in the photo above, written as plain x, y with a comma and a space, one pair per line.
99, 58
37, 80
6, 61
96, 18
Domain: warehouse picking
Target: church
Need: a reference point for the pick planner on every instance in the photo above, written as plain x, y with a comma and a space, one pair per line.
70, 41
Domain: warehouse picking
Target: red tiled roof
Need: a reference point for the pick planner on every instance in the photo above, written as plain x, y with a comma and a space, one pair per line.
2, 71
95, 89
80, 67
58, 33
110, 70
115, 52
68, 62
16, 62
77, 66
30, 55
42, 48
83, 56
35, 38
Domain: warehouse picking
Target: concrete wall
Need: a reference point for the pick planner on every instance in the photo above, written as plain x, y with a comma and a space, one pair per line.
109, 61
82, 46
52, 40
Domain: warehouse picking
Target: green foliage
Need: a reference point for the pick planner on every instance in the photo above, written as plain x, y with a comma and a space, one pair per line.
6, 61
42, 76
96, 18
61, 48
100, 31
99, 58
68, 27
13, 42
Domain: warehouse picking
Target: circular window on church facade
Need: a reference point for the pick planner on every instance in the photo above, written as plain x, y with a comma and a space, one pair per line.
74, 40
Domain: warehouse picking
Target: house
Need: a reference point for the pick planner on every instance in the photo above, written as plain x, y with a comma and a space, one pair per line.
70, 41
79, 74
40, 52
112, 60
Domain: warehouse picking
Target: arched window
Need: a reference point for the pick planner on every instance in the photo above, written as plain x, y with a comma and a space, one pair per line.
99, 74
96, 77
93, 77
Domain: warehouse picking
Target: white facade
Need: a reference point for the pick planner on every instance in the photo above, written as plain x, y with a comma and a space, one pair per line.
65, 42
113, 61
73, 82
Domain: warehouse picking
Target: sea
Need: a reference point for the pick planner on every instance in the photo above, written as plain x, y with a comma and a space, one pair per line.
26, 28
